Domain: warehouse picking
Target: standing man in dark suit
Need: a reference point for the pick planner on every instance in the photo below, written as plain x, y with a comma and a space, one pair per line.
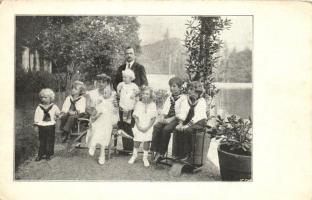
138, 69
140, 80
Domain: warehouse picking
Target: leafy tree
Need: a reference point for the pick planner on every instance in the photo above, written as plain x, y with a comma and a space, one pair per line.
202, 40
90, 45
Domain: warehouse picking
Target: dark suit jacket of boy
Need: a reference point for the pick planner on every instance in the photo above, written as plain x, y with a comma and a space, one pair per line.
139, 72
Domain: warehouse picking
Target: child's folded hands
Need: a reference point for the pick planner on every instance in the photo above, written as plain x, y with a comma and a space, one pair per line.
180, 127
61, 114
57, 116
72, 112
161, 119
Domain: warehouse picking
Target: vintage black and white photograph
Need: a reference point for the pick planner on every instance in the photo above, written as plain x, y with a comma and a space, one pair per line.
133, 98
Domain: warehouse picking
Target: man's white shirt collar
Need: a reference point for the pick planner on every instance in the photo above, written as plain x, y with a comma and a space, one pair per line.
131, 63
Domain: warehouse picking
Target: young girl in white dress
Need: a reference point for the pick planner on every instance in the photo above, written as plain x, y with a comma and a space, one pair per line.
103, 118
145, 114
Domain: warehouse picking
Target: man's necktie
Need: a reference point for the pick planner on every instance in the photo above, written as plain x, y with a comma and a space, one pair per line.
46, 114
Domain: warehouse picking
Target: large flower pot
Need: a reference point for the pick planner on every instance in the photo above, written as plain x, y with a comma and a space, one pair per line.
234, 167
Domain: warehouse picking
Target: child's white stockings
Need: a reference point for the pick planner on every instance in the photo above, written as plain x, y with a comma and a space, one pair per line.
134, 156
145, 160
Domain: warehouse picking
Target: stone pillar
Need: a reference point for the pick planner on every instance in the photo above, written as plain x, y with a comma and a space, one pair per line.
25, 58
45, 65
37, 62
31, 61
50, 67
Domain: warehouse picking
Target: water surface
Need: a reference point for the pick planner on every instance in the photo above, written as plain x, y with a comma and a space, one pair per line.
233, 98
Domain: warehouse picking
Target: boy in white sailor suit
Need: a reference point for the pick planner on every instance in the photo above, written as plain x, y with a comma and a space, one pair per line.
44, 123
193, 117
168, 120
74, 106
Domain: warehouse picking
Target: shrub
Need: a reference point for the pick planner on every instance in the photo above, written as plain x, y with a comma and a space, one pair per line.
35, 81
160, 97
235, 133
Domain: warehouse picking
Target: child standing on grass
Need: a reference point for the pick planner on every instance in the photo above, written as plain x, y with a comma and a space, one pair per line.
74, 106
127, 91
145, 114
103, 118
44, 121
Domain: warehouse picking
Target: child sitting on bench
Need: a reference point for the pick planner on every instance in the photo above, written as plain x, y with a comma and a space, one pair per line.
74, 105
169, 119
194, 118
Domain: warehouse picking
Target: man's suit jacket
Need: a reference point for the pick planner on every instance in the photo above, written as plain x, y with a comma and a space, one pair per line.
139, 72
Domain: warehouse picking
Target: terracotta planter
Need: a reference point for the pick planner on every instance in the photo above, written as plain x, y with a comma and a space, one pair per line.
234, 167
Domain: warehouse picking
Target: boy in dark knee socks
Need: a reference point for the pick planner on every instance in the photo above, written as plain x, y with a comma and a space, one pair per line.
194, 118
169, 119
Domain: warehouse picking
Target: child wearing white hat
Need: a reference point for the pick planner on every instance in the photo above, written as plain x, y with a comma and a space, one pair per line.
127, 90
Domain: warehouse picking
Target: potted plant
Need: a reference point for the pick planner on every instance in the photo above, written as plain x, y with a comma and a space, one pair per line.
235, 148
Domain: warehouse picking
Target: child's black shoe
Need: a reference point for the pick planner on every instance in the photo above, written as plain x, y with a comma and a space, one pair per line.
48, 158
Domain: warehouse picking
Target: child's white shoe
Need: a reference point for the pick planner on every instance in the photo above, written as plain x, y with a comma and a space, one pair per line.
91, 151
132, 159
146, 163
102, 161
145, 160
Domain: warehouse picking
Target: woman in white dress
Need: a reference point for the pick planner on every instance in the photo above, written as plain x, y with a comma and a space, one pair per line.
104, 116
145, 114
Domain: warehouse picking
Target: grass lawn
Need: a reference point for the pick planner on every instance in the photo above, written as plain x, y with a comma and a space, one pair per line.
80, 166
26, 140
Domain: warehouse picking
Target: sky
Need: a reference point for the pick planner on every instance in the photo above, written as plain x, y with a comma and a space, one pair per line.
153, 29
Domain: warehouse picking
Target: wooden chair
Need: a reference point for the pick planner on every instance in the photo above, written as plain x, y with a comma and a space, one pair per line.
76, 137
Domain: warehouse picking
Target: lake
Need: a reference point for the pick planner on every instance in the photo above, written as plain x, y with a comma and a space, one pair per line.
233, 98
